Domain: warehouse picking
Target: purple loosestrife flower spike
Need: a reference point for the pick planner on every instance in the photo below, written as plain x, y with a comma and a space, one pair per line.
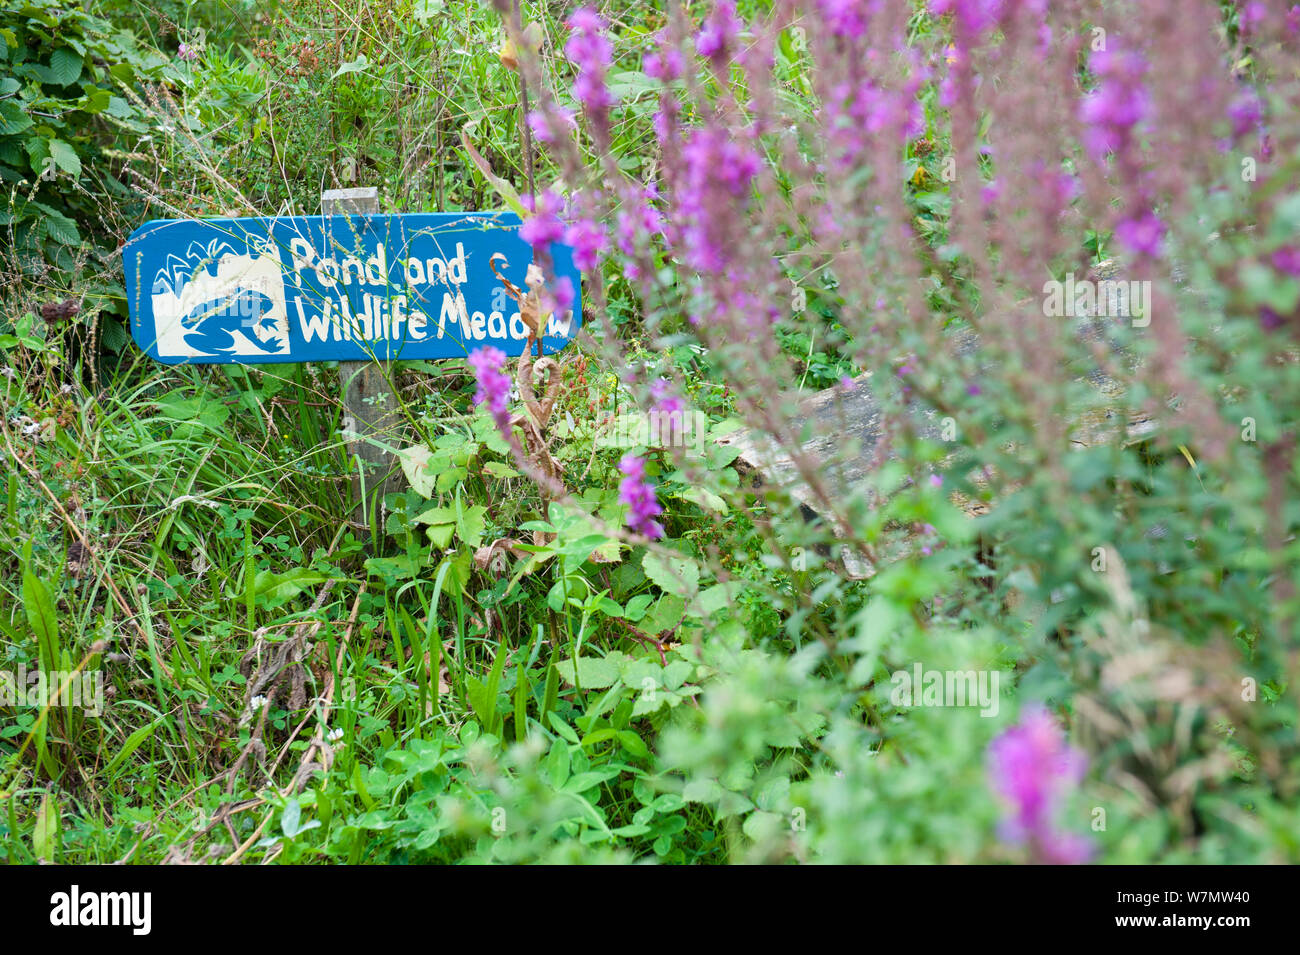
1119, 103
665, 63
488, 364
1142, 234
1033, 768
639, 497
1287, 259
718, 177
663, 398
588, 239
717, 37
590, 51
847, 18
1246, 113
543, 227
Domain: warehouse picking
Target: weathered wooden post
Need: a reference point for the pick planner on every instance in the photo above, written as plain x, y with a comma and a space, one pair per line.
369, 405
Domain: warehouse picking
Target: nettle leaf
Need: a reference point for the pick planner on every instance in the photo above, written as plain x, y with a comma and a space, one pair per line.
673, 575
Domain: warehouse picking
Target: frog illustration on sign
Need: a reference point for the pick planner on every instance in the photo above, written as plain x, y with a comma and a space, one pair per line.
215, 301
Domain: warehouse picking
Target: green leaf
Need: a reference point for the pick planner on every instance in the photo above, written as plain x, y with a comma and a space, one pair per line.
561, 727
633, 743
397, 568
12, 118
555, 596
65, 67
65, 157
503, 188
674, 575
609, 607
62, 229
594, 673
557, 763
359, 65
667, 614
96, 101
470, 523
435, 515
201, 409
440, 535
482, 696
290, 817
712, 599
45, 837
637, 606
416, 461
291, 823
272, 589
131, 745
427, 9
705, 498
39, 609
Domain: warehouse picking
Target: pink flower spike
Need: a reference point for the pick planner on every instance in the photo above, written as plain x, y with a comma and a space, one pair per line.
639, 497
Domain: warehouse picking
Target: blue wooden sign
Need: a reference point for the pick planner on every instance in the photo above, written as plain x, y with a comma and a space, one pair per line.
335, 288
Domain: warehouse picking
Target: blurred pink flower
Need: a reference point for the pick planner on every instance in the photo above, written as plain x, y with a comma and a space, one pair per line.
1033, 768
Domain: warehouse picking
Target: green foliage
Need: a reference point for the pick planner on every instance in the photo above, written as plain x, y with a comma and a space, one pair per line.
67, 97
479, 673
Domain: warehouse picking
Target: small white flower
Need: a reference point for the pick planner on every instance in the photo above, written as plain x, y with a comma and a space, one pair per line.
65, 390
334, 735
7, 371
256, 703
32, 428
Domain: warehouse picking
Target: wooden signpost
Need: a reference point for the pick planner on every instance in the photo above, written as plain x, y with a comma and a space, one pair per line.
369, 401
351, 286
